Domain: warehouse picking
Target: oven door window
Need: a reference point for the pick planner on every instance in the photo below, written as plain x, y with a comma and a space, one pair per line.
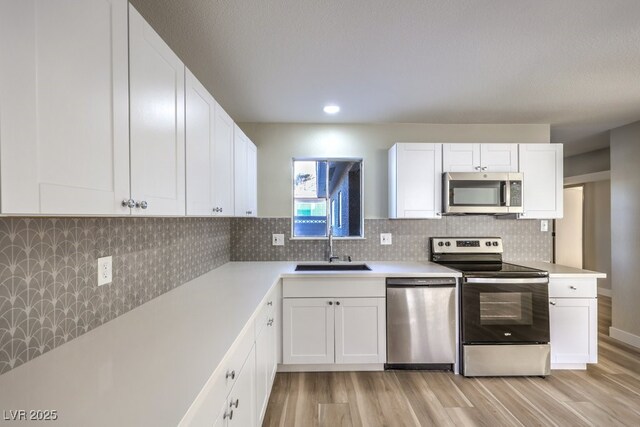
476, 193
505, 312
506, 308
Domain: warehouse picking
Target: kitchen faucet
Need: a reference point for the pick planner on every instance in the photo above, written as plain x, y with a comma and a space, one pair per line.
332, 257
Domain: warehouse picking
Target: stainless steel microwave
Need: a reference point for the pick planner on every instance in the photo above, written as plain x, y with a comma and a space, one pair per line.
482, 193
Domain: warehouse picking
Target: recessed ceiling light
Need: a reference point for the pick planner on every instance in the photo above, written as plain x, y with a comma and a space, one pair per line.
331, 109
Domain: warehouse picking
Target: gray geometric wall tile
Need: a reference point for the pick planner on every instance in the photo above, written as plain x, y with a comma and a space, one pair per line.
48, 273
252, 239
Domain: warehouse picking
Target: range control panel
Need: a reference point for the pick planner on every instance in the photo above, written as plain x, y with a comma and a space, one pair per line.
474, 245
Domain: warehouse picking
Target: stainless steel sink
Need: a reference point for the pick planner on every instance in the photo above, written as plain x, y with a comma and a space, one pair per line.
332, 267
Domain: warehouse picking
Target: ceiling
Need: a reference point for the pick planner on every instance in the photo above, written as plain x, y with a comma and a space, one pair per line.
573, 63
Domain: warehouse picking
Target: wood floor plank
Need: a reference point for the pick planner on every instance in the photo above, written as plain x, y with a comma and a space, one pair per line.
426, 406
606, 394
334, 415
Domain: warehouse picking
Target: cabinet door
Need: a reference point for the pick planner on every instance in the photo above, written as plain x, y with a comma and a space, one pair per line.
541, 166
157, 121
417, 184
243, 394
265, 361
223, 415
499, 157
574, 330
308, 331
200, 115
360, 330
240, 181
64, 133
252, 179
223, 164
461, 157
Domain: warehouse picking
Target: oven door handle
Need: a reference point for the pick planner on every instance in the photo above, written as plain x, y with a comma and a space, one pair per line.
492, 280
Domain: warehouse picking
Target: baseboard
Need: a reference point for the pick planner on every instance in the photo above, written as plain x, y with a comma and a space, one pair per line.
604, 291
625, 337
331, 368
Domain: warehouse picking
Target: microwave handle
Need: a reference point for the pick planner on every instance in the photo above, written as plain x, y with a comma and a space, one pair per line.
506, 193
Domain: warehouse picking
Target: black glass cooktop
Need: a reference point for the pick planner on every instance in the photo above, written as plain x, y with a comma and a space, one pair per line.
494, 269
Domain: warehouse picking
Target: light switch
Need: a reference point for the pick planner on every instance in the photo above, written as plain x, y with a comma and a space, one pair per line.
277, 239
385, 238
104, 270
544, 225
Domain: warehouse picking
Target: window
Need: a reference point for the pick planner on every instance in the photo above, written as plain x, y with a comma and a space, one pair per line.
327, 195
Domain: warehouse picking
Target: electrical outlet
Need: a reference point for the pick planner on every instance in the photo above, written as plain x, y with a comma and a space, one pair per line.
104, 270
386, 239
277, 239
544, 225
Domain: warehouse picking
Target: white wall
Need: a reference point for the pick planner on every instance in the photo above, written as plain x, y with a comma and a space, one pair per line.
279, 143
625, 232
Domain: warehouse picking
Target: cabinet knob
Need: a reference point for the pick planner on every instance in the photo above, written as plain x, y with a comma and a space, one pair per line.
143, 204
228, 415
573, 288
129, 203
231, 375
270, 322
337, 302
552, 302
484, 168
232, 404
270, 303
477, 168
330, 302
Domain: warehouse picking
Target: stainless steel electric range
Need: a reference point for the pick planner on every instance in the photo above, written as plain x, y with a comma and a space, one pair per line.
504, 308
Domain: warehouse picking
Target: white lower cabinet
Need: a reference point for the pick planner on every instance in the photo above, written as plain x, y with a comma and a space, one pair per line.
267, 326
333, 330
573, 323
240, 408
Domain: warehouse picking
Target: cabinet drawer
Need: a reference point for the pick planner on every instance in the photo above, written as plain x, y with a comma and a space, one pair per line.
573, 288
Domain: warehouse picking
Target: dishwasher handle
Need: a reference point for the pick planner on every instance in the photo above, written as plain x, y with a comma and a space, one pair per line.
413, 282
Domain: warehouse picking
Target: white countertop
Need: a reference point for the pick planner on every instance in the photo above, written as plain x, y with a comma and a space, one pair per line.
147, 366
557, 270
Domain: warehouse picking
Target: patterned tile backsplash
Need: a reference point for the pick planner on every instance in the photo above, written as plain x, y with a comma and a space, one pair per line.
48, 270
523, 239
48, 273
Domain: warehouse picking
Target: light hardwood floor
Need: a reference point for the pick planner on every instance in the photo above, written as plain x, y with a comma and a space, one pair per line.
606, 394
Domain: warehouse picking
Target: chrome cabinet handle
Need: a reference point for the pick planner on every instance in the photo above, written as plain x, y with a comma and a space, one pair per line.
337, 302
232, 404
231, 374
484, 168
270, 303
573, 288
143, 204
270, 322
552, 302
130, 203
330, 302
228, 415
477, 168
217, 209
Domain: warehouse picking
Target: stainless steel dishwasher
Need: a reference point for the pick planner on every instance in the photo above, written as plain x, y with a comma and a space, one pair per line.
421, 332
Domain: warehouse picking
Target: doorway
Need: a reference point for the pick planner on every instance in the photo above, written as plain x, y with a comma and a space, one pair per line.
569, 230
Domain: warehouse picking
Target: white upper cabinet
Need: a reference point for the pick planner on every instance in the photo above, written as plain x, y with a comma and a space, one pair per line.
542, 169
64, 129
157, 98
245, 175
223, 164
480, 157
415, 180
200, 114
